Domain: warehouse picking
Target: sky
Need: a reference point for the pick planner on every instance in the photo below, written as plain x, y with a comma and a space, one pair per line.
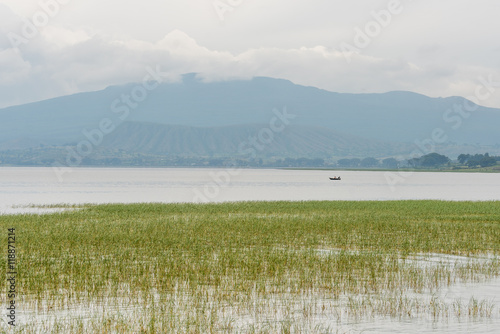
50, 48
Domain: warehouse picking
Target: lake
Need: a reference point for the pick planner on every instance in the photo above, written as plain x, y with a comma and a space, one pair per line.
22, 186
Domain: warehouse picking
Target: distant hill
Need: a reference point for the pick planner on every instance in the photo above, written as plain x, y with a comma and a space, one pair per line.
395, 119
300, 141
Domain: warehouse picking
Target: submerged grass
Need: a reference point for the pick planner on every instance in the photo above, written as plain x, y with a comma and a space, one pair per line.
248, 267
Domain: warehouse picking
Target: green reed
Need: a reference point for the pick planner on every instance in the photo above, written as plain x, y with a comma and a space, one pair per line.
204, 268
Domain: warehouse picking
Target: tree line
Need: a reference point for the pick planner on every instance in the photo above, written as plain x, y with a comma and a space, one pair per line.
431, 160
49, 156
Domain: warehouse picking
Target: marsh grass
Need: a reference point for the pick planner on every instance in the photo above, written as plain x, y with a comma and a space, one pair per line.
250, 267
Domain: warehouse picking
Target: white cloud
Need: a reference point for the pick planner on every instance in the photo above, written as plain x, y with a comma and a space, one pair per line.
15, 70
61, 37
87, 49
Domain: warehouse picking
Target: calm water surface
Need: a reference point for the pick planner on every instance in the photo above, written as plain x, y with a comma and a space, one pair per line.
24, 186
21, 187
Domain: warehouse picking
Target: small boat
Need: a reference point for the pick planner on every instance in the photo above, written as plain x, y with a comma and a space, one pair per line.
336, 178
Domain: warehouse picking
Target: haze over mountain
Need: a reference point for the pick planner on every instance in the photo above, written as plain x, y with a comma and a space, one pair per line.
294, 141
230, 111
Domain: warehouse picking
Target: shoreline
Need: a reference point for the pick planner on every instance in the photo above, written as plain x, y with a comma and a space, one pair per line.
478, 170
59, 208
489, 170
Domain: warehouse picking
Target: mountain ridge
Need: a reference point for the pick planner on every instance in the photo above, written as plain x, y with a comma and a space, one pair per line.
398, 117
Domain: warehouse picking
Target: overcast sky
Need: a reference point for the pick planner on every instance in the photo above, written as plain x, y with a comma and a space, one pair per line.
433, 47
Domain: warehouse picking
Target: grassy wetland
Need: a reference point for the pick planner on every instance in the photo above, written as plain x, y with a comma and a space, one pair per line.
251, 267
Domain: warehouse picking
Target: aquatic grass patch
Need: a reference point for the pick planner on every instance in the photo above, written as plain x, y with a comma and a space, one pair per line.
262, 266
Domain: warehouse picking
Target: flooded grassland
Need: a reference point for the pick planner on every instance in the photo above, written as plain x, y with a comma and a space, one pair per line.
258, 267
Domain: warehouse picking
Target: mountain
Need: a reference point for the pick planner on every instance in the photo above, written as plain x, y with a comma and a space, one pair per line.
235, 140
392, 118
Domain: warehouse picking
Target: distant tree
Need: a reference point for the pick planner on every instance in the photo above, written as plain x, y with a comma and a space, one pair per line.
487, 161
434, 160
462, 158
483, 160
472, 163
390, 163
369, 162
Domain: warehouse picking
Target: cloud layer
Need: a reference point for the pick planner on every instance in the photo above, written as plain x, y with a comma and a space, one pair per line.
67, 56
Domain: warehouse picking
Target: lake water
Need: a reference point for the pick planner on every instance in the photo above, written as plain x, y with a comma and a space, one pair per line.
20, 186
